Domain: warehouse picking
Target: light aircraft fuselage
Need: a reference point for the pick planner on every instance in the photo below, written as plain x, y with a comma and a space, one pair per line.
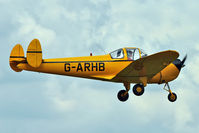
125, 65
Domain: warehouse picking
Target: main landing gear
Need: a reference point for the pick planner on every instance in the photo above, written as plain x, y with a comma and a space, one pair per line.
172, 97
123, 95
138, 90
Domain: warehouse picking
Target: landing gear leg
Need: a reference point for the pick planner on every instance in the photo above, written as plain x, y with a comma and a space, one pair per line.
172, 96
123, 95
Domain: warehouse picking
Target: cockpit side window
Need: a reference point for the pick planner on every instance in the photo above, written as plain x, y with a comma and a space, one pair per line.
117, 54
133, 54
136, 54
130, 53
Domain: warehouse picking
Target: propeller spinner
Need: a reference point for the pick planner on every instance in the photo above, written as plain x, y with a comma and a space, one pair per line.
180, 64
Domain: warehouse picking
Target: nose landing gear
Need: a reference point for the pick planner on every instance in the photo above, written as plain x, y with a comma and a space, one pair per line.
172, 97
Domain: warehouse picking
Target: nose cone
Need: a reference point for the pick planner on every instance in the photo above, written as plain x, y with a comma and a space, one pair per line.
177, 63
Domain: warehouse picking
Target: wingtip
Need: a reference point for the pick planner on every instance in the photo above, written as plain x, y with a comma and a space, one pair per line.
174, 53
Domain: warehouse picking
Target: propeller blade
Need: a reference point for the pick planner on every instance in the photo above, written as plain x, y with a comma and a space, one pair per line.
183, 61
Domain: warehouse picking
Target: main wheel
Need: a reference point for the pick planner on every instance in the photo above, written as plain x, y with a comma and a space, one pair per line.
172, 97
138, 89
121, 95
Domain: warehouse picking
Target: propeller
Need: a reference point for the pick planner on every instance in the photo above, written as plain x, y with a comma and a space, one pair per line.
180, 64
183, 61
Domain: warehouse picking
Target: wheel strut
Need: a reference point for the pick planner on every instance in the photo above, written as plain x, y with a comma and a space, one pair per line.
172, 96
169, 90
127, 87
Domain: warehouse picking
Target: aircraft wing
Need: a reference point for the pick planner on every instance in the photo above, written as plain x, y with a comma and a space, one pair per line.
148, 66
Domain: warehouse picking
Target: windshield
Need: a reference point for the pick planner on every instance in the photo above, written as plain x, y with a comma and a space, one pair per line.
143, 54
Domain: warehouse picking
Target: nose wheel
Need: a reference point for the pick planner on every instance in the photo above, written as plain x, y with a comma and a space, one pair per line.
172, 97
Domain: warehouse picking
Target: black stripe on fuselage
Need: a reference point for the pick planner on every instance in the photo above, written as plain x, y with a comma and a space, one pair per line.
16, 56
86, 61
34, 51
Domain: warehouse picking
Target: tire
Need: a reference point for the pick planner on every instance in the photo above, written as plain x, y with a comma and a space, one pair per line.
172, 97
138, 89
121, 95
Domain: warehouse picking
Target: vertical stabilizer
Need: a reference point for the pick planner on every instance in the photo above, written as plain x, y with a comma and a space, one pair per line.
16, 57
34, 54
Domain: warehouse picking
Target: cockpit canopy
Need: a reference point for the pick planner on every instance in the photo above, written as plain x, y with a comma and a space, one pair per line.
130, 53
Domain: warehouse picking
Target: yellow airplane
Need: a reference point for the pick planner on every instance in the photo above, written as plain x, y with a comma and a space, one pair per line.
125, 65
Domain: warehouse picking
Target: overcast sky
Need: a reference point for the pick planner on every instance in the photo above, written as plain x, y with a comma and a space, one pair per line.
42, 103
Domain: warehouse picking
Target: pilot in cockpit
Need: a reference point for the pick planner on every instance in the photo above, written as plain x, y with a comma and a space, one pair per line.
130, 55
